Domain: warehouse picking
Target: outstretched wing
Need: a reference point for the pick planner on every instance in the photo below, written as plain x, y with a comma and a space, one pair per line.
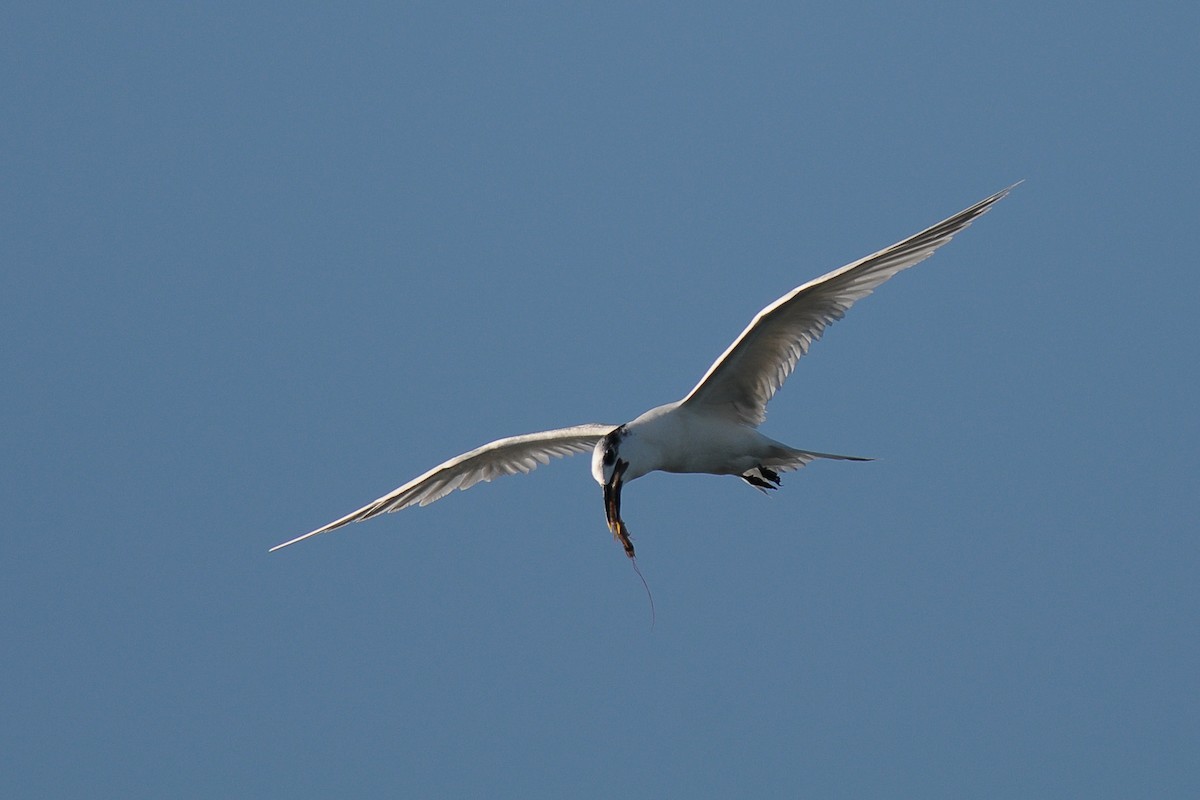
749, 373
501, 457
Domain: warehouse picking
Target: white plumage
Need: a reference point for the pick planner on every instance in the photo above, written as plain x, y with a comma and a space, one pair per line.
711, 430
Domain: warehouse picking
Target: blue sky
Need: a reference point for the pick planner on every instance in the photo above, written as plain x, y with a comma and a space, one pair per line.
261, 266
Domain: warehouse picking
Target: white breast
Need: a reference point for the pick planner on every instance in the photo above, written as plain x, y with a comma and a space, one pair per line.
675, 438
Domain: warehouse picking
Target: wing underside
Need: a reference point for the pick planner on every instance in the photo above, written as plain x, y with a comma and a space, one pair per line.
509, 456
751, 370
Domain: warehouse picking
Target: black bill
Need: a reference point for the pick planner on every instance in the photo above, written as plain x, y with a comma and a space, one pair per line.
612, 507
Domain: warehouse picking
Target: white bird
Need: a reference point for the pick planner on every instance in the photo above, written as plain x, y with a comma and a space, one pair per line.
711, 430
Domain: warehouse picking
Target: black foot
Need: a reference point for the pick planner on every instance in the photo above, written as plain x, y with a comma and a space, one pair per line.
757, 482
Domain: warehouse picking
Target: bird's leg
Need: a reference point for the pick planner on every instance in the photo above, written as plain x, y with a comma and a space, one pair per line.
759, 483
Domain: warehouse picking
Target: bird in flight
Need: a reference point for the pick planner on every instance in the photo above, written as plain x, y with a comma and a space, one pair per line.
714, 429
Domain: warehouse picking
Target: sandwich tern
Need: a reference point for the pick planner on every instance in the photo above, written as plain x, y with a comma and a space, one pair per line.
714, 429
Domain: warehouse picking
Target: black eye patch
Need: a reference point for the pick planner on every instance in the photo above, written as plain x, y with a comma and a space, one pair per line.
610, 455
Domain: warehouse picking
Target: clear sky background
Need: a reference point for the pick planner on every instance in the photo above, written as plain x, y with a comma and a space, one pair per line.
260, 266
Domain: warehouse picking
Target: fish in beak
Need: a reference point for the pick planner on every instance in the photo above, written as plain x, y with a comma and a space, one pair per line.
612, 507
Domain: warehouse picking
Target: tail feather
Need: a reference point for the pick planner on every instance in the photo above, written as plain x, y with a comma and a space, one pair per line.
781, 458
791, 459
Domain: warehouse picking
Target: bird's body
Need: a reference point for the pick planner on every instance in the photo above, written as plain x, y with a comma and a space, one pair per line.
680, 438
714, 429
672, 438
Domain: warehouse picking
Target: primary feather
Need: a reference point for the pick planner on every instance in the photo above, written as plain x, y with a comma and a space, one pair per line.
509, 456
751, 370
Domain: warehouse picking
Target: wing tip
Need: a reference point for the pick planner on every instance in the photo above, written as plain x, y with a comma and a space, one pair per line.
297, 539
324, 529
1000, 195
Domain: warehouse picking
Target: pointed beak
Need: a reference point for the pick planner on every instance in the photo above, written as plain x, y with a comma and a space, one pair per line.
612, 507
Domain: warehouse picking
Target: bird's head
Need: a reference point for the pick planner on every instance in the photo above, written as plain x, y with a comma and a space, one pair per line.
608, 468
606, 458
